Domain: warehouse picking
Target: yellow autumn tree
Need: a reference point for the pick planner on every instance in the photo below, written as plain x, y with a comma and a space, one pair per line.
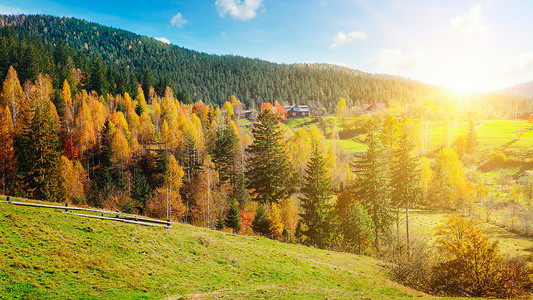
275, 222
120, 150
146, 129
12, 95
228, 108
471, 265
449, 186
300, 146
341, 108
7, 154
205, 194
74, 180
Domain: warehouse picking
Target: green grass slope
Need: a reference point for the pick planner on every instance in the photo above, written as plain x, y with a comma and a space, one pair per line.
45, 253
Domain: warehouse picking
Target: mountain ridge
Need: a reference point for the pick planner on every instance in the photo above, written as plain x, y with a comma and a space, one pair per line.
212, 78
522, 89
113, 61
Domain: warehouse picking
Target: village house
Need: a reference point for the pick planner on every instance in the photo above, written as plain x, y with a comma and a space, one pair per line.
370, 108
297, 111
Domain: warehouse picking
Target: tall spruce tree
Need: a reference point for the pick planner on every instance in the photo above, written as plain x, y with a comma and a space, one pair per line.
233, 219
317, 217
268, 168
260, 223
38, 152
226, 157
140, 192
372, 187
405, 176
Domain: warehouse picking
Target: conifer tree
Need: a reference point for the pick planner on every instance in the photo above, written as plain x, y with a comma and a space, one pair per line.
268, 169
38, 152
226, 156
140, 192
405, 175
260, 223
219, 223
317, 217
233, 219
372, 186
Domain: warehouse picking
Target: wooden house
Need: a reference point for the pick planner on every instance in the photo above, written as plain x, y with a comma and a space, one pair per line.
370, 108
297, 111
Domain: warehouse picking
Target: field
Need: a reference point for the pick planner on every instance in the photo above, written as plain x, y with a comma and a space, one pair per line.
65, 256
423, 222
492, 134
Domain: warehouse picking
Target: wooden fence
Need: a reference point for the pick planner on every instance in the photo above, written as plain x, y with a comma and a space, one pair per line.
117, 216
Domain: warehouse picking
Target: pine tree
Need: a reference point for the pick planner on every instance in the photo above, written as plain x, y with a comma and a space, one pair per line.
38, 152
372, 186
260, 223
233, 219
141, 191
317, 217
405, 176
268, 169
219, 223
226, 156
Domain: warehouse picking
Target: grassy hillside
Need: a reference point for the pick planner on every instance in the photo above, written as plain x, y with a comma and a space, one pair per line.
422, 223
49, 254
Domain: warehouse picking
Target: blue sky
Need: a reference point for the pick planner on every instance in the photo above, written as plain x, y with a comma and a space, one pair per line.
467, 45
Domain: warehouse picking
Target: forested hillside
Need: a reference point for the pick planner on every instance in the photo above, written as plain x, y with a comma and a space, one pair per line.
110, 60
522, 89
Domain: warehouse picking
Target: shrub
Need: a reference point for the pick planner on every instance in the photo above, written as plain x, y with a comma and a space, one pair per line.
463, 263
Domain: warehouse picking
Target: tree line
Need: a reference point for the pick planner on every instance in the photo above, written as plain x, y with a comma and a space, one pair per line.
109, 60
157, 156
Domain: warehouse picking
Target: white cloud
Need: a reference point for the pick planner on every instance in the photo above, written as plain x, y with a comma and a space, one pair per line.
394, 61
7, 10
520, 65
342, 38
178, 21
243, 10
472, 23
163, 39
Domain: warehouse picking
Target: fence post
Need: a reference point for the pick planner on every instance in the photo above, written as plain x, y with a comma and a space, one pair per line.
9, 199
66, 205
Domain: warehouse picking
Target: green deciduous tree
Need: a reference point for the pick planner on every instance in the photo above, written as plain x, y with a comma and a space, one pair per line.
357, 229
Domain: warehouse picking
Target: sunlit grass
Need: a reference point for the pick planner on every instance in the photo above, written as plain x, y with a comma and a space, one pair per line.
422, 223
49, 254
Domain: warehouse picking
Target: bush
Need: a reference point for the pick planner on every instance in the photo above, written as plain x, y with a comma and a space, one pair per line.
463, 263
414, 270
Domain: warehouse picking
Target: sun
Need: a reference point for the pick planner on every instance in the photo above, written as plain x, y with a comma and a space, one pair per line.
462, 84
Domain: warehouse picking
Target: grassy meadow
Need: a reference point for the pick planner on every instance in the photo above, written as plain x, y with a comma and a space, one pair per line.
64, 256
